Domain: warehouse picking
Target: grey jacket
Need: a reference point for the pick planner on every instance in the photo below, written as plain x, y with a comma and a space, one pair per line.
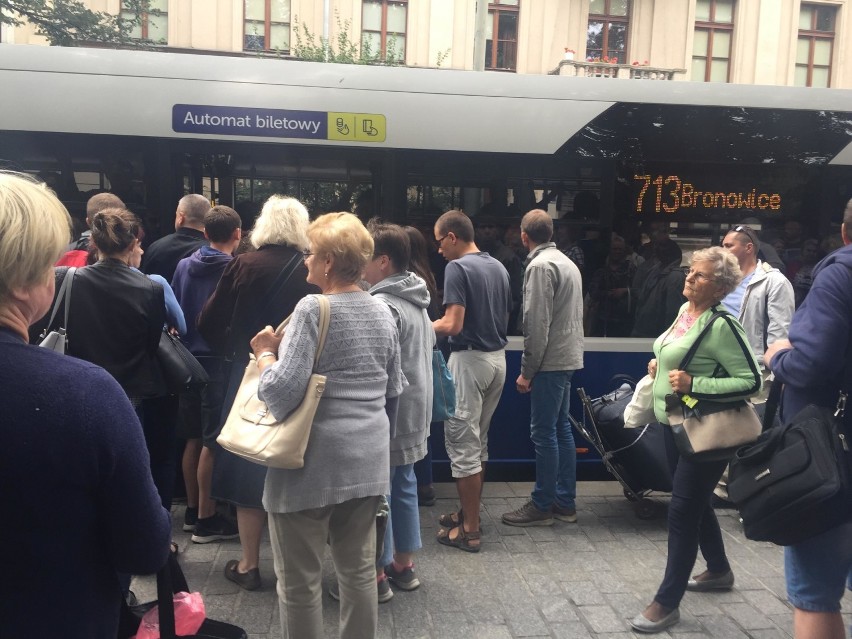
408, 298
553, 313
767, 308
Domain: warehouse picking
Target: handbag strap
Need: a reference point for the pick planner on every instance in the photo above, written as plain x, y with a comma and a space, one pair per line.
64, 291
324, 321
694, 348
280, 281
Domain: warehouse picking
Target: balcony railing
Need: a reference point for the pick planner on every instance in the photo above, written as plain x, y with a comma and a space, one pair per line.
583, 69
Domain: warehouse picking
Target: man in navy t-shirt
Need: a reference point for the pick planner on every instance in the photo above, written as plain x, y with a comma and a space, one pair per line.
478, 300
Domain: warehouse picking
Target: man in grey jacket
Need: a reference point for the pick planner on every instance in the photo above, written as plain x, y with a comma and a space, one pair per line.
764, 303
553, 350
408, 298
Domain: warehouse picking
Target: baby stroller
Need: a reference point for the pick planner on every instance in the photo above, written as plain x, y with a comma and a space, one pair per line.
637, 457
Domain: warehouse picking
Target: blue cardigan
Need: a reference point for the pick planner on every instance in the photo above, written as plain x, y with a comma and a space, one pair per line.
78, 500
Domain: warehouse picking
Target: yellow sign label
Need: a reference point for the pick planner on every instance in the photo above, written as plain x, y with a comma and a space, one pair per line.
356, 127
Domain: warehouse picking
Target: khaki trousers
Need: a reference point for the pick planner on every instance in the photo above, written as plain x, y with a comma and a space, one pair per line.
298, 547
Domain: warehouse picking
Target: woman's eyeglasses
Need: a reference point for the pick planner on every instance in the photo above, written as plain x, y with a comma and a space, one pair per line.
306, 254
698, 276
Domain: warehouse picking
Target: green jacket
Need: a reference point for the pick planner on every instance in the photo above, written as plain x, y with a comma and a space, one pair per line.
723, 368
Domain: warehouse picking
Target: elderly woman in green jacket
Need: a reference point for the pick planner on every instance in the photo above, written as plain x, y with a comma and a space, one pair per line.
723, 369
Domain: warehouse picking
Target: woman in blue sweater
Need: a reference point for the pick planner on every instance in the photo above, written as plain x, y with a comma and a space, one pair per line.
73, 464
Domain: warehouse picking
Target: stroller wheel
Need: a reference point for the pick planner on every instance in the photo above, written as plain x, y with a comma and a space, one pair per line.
646, 509
629, 495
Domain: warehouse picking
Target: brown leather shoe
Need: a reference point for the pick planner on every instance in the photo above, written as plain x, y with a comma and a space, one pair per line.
248, 580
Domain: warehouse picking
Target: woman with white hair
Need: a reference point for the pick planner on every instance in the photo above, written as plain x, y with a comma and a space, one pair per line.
723, 369
73, 464
257, 289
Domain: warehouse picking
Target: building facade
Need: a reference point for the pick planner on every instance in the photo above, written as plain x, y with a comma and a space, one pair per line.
775, 42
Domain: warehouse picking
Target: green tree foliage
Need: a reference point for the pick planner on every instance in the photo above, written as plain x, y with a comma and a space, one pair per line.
342, 49
70, 23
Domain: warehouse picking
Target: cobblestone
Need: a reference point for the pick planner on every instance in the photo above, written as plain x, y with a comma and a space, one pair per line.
583, 580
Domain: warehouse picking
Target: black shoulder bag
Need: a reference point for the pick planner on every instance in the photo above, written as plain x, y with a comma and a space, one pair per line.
793, 483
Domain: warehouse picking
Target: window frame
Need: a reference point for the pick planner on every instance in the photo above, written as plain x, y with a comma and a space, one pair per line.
143, 25
383, 33
496, 7
267, 27
711, 27
608, 18
813, 35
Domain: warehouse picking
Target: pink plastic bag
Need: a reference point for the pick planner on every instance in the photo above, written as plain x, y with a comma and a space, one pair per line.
189, 615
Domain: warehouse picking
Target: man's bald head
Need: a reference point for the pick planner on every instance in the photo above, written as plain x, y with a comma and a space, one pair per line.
99, 202
538, 225
191, 210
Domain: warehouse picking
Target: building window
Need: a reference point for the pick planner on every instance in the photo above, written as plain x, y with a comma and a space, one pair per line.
815, 46
501, 35
606, 36
266, 25
383, 29
152, 26
711, 49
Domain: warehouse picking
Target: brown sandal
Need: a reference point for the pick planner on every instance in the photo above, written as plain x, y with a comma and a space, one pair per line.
451, 520
463, 539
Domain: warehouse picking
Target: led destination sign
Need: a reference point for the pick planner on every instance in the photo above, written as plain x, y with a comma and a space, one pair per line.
674, 194
280, 123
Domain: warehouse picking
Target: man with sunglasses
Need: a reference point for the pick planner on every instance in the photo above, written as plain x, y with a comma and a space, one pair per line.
763, 303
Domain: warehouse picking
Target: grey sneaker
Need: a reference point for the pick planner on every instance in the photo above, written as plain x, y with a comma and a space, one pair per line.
528, 515
404, 579
565, 514
385, 592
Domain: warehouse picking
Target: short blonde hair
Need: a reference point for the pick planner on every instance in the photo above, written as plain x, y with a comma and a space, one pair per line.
283, 220
34, 229
343, 236
726, 268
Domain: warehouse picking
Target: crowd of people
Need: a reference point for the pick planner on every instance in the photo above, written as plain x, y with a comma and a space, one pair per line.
92, 436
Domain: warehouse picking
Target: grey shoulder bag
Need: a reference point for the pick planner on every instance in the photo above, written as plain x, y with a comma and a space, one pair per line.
57, 339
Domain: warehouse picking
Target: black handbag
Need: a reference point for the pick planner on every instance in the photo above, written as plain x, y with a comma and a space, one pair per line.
181, 370
793, 483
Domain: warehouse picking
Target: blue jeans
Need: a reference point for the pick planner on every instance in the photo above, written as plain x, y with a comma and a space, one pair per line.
403, 531
817, 569
550, 431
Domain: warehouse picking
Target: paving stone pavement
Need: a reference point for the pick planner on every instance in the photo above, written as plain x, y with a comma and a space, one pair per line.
567, 581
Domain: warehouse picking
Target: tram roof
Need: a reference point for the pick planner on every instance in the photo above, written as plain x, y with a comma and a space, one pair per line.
438, 109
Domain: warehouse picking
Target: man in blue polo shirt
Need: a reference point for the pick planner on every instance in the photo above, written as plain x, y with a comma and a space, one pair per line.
478, 300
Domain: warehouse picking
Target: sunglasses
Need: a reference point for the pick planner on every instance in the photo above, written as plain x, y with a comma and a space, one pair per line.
747, 231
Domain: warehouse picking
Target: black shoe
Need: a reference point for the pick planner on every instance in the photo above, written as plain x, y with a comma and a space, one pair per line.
426, 495
190, 518
215, 528
718, 502
247, 580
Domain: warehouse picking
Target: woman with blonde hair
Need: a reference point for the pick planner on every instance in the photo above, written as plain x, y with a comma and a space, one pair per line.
257, 288
73, 457
723, 369
336, 495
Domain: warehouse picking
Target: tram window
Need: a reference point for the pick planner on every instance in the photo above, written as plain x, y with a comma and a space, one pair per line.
88, 180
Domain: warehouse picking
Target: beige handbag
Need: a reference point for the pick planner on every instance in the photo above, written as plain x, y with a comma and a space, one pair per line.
706, 430
252, 431
711, 431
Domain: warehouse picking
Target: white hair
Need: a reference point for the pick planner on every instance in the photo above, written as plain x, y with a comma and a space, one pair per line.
283, 220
